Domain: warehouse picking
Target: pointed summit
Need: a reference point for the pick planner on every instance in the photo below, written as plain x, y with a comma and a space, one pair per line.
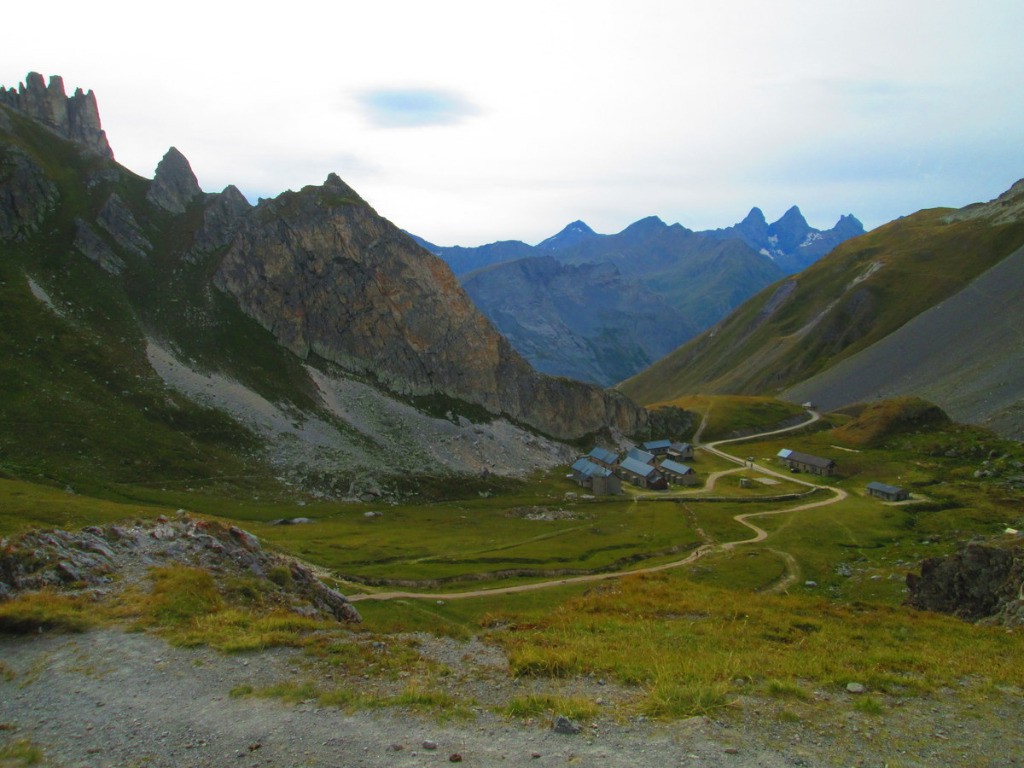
756, 216
174, 185
572, 234
789, 231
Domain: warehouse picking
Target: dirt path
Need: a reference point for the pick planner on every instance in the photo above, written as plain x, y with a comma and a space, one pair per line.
759, 533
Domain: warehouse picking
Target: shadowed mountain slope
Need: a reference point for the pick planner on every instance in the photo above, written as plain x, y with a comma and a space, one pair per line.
584, 321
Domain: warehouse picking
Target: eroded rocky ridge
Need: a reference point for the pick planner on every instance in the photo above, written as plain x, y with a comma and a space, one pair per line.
329, 277
76, 117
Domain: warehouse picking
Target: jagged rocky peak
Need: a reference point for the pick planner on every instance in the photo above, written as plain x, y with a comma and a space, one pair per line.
848, 226
790, 230
76, 118
174, 185
222, 216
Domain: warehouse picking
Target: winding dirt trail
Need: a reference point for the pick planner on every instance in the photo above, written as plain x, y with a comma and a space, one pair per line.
760, 534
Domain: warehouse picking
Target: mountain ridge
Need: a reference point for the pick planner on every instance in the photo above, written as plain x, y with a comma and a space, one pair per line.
692, 278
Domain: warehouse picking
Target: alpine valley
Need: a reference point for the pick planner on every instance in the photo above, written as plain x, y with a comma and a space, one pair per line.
279, 484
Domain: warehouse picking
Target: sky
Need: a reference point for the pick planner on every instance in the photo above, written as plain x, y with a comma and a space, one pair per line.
471, 122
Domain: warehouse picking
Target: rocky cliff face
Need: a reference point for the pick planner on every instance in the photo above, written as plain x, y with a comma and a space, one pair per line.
26, 194
76, 118
329, 277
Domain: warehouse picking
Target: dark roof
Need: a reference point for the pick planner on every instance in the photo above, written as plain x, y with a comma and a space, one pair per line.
892, 490
655, 445
639, 455
675, 467
588, 468
805, 458
603, 454
638, 467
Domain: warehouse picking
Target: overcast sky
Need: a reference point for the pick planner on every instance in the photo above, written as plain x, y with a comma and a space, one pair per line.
469, 122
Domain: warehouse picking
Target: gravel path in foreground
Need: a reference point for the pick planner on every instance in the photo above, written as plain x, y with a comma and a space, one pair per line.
110, 698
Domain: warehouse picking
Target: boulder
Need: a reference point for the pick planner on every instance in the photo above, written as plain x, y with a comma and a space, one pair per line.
976, 582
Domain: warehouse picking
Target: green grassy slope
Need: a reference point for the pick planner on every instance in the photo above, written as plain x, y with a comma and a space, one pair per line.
861, 292
81, 404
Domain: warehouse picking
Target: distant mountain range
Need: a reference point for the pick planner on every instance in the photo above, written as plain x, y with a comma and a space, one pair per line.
603, 307
927, 305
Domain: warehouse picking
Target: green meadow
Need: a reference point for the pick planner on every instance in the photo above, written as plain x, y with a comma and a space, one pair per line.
816, 604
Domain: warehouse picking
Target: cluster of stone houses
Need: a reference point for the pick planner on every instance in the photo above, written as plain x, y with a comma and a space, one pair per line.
655, 465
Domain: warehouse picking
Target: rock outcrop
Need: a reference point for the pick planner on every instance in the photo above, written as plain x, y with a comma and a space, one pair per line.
174, 185
26, 194
979, 582
102, 557
75, 118
92, 246
118, 221
329, 277
222, 218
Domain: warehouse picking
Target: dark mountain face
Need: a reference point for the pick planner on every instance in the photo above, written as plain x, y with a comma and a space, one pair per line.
463, 260
584, 321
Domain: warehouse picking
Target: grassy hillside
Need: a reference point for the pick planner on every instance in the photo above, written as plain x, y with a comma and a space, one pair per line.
725, 416
861, 292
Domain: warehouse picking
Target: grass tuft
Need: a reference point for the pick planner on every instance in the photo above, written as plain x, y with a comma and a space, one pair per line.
541, 705
20, 752
46, 610
672, 700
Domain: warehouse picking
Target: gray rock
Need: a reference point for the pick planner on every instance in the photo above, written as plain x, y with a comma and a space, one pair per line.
973, 583
223, 215
27, 196
564, 725
117, 220
76, 118
94, 247
856, 688
174, 185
